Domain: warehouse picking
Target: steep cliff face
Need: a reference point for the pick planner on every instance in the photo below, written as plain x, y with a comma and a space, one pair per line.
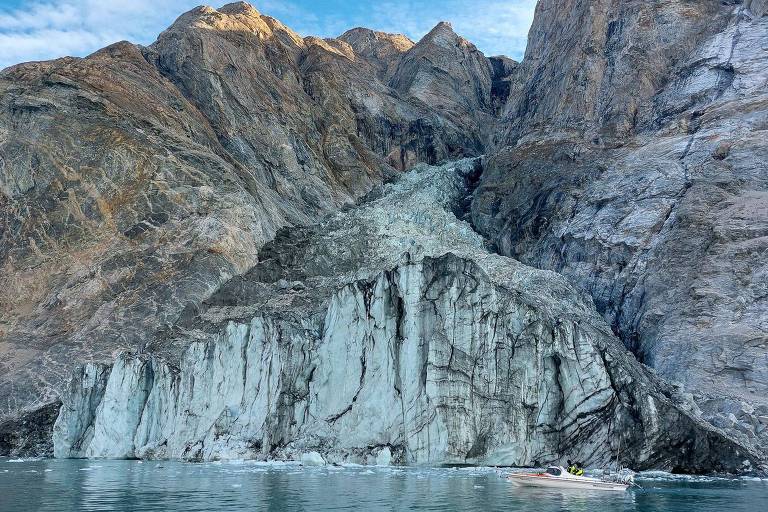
242, 70
591, 68
119, 207
645, 184
434, 351
134, 182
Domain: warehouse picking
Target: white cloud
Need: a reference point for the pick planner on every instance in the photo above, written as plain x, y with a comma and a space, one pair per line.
46, 29
499, 28
46, 43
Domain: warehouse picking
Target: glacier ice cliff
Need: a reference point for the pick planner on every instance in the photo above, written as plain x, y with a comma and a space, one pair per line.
389, 332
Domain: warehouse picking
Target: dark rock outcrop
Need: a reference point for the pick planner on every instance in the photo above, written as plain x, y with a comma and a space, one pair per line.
30, 435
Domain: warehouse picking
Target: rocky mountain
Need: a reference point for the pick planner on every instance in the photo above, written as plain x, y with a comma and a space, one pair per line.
449, 73
635, 164
138, 180
379, 49
239, 241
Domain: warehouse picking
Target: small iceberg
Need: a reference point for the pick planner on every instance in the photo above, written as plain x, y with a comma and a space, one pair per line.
312, 459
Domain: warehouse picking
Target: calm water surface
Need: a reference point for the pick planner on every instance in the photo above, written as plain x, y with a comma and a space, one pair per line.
60, 485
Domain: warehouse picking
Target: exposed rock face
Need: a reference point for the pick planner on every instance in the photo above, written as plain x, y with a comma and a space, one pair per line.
120, 207
591, 67
641, 175
134, 182
438, 70
381, 50
434, 350
31, 435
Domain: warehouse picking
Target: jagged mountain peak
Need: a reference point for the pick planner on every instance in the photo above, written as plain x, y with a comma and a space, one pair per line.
242, 8
507, 63
442, 26
329, 45
445, 69
443, 35
381, 50
237, 17
116, 50
363, 38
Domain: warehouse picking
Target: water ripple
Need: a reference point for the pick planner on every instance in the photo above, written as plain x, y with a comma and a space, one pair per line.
56, 485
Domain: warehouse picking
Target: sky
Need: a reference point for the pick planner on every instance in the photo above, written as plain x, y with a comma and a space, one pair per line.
46, 29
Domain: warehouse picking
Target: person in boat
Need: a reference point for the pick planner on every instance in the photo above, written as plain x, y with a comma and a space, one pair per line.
575, 468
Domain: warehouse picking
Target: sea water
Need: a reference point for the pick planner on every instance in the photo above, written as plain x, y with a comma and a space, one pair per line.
104, 485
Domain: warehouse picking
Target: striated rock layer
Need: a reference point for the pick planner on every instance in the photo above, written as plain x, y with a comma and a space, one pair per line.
389, 329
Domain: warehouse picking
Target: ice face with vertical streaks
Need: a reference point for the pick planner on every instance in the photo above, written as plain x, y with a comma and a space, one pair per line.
392, 336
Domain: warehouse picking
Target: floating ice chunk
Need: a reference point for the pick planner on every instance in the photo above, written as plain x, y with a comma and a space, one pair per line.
384, 458
312, 459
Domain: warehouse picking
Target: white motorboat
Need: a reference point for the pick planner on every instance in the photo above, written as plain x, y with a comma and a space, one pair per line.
556, 477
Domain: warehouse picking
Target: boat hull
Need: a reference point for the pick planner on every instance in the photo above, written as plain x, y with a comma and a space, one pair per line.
543, 481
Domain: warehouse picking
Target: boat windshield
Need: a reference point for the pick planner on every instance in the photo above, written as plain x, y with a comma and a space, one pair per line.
554, 471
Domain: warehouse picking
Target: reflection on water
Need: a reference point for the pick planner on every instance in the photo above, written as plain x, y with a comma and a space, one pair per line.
134, 486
